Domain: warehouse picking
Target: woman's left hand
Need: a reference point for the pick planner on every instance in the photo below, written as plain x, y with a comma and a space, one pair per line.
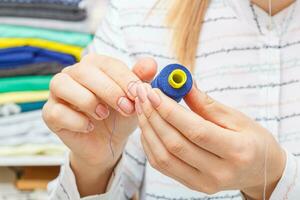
209, 148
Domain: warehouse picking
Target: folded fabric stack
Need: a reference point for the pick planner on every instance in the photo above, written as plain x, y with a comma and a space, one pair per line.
71, 15
60, 9
29, 57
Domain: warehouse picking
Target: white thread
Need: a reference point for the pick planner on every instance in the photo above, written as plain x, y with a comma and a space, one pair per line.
115, 121
266, 141
265, 170
112, 134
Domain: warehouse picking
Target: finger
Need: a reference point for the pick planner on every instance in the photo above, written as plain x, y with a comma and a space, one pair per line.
152, 160
59, 116
118, 71
162, 160
177, 144
201, 132
103, 87
65, 88
145, 69
214, 111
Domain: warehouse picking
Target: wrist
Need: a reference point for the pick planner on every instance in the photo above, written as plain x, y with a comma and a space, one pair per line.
275, 172
93, 167
91, 179
257, 193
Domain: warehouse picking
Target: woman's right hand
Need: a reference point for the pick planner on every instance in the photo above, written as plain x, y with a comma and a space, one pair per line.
91, 100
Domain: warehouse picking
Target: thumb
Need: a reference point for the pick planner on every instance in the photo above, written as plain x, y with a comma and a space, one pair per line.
145, 69
214, 111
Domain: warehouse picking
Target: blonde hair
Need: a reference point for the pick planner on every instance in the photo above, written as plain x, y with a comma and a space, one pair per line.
185, 19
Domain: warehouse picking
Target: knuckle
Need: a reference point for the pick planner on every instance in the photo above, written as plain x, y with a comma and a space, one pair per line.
55, 113
175, 147
57, 81
45, 111
152, 162
149, 113
169, 112
88, 103
163, 161
49, 121
198, 137
111, 93
143, 125
107, 92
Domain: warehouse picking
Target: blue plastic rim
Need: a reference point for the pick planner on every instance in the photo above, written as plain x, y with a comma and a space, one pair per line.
161, 81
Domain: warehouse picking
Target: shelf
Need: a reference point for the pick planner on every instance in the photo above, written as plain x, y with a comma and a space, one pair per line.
31, 161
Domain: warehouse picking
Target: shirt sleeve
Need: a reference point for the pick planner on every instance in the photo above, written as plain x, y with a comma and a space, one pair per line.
288, 187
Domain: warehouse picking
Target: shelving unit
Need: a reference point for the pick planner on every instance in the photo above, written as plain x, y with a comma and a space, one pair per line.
31, 161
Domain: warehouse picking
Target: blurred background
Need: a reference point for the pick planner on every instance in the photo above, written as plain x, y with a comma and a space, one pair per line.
38, 38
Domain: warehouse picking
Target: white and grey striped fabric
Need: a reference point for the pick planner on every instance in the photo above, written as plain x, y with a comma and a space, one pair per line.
243, 61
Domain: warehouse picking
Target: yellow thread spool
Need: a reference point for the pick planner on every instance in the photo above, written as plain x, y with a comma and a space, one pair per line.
177, 78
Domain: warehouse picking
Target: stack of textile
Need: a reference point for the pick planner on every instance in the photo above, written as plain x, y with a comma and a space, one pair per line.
30, 54
71, 15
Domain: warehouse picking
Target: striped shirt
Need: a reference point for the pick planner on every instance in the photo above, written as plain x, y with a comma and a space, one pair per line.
244, 60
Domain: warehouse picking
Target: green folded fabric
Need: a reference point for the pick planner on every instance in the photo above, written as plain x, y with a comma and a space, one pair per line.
66, 37
24, 83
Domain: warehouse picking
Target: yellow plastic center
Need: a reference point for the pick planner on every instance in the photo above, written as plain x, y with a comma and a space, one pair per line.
177, 78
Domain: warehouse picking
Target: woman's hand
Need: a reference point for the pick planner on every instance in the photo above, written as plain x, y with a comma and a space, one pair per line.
88, 103
209, 148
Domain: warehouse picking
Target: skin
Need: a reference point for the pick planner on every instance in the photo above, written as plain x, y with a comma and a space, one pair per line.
85, 100
219, 147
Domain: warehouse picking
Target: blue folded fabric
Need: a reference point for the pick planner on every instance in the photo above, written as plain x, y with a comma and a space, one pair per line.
26, 107
18, 56
14, 109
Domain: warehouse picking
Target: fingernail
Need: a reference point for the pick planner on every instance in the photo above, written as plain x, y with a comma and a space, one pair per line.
102, 111
154, 98
138, 107
132, 89
125, 105
141, 93
90, 127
